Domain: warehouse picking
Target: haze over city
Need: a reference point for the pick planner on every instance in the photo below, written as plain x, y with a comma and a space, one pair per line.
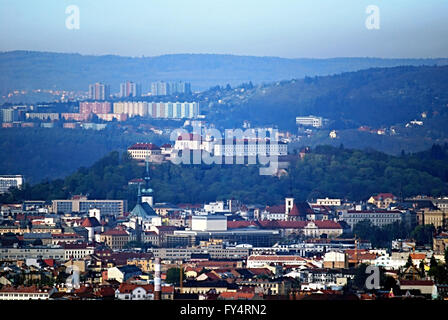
284, 28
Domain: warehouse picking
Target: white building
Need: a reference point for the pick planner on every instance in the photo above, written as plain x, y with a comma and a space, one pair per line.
252, 147
329, 202
310, 121
8, 181
143, 151
260, 261
25, 293
378, 218
209, 223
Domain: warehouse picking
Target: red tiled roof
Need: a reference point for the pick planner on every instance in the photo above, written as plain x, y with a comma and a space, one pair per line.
90, 222
381, 196
418, 256
276, 209
241, 224
144, 146
22, 289
416, 283
237, 295
115, 232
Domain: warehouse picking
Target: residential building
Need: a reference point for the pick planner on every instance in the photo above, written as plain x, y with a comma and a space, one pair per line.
97, 107
145, 151
80, 204
99, 91
310, 121
8, 181
115, 238
130, 89
329, 202
25, 293
383, 200
378, 218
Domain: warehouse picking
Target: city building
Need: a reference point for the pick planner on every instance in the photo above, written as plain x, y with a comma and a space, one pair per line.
9, 115
310, 121
115, 238
383, 200
159, 110
26, 293
96, 107
8, 181
99, 91
161, 88
130, 89
378, 218
145, 151
250, 147
80, 204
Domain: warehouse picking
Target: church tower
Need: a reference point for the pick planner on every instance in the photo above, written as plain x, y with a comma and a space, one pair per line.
146, 195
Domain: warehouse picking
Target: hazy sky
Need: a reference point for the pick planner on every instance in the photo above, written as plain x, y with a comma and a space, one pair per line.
285, 28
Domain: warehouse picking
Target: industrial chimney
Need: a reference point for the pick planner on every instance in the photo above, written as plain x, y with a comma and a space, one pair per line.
157, 293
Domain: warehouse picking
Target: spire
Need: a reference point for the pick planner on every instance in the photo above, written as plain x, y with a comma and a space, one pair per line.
139, 194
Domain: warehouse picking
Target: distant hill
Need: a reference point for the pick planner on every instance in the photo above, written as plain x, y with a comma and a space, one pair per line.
45, 70
373, 97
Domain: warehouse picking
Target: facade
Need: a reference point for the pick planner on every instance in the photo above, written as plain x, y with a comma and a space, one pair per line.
437, 217
99, 91
82, 204
77, 251
247, 148
161, 88
383, 200
378, 218
160, 110
8, 181
116, 239
35, 252
209, 223
130, 89
26, 293
129, 291
329, 202
44, 116
260, 261
310, 121
215, 252
143, 151
96, 107
335, 260
9, 115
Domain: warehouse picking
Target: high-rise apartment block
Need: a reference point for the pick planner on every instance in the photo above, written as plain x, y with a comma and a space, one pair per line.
99, 91
130, 89
162, 88
169, 110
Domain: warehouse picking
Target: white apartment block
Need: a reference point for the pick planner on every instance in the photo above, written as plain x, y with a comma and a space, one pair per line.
250, 148
170, 110
310, 121
328, 202
8, 181
378, 218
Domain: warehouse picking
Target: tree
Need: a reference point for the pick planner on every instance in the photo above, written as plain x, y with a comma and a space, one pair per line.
422, 269
173, 276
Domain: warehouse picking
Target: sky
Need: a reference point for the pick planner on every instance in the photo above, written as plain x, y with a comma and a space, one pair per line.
283, 28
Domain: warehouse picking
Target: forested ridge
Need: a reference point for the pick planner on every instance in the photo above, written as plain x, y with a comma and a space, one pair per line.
325, 171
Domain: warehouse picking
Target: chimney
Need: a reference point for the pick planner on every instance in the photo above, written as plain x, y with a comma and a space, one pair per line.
157, 295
